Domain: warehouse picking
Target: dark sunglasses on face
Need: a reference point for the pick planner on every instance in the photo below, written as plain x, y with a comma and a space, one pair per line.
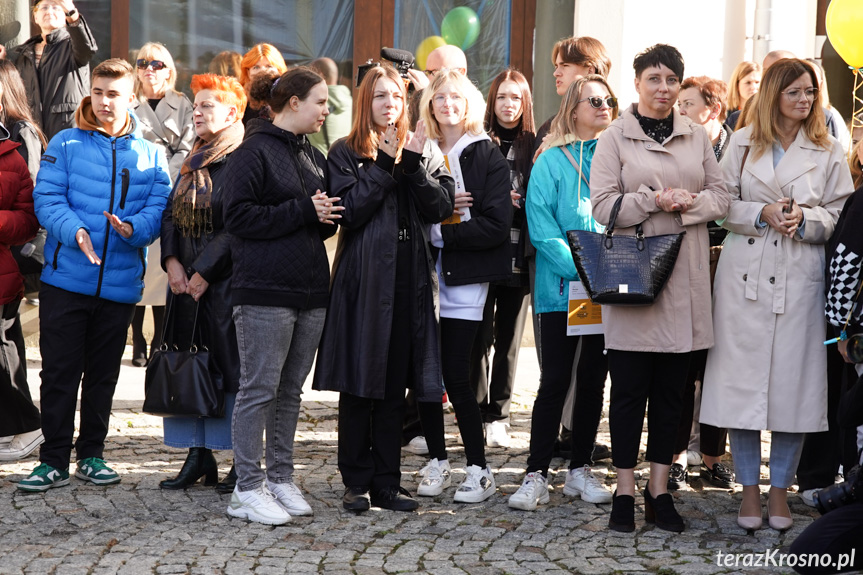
155, 64
596, 101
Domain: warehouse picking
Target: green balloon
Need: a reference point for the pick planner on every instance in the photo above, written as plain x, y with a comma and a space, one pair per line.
460, 27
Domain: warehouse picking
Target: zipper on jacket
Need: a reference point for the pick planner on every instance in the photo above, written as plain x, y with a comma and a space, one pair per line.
143, 263
56, 253
124, 187
561, 286
110, 211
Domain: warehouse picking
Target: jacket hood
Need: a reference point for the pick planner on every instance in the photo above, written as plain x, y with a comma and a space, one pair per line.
340, 98
85, 119
567, 139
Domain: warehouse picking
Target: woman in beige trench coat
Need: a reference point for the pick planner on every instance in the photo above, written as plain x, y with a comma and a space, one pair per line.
768, 368
664, 167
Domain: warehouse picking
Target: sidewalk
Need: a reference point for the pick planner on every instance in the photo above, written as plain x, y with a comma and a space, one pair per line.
136, 528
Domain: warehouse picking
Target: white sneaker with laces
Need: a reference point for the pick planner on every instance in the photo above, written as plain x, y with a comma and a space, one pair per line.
477, 486
258, 505
434, 478
417, 445
21, 445
533, 490
496, 434
290, 497
582, 482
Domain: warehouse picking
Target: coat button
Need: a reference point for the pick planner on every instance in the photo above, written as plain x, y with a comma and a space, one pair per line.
772, 280
745, 276
649, 145
751, 241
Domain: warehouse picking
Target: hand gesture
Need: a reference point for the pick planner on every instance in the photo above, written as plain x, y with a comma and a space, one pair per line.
122, 228
86, 246
516, 199
416, 141
327, 212
388, 142
785, 223
197, 286
462, 200
674, 200
418, 79
177, 279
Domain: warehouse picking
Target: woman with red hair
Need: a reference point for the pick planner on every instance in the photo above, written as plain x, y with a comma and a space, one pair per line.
196, 254
261, 59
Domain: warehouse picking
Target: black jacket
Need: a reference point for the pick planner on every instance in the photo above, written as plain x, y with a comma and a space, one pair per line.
62, 79
355, 345
478, 250
279, 258
210, 256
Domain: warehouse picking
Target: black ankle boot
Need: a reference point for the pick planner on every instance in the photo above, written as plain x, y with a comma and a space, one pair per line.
228, 483
199, 463
660, 510
622, 513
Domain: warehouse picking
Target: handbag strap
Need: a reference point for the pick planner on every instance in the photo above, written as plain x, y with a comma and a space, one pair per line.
168, 326
743, 163
574, 164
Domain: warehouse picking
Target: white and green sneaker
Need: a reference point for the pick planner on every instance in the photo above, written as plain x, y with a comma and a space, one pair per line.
43, 478
94, 470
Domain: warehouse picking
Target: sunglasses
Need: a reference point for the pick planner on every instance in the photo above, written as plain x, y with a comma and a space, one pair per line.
596, 101
155, 64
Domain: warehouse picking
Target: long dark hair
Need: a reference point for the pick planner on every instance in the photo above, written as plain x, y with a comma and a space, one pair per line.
14, 100
523, 144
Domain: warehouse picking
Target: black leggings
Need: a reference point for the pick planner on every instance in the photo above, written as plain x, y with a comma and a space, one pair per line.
559, 352
457, 337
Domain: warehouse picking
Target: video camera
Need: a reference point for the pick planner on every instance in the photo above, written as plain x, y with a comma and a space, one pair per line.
402, 59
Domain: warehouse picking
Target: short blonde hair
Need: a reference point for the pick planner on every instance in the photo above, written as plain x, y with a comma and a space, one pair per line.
155, 51
474, 112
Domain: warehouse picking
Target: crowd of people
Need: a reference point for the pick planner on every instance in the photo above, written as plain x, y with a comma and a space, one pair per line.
452, 212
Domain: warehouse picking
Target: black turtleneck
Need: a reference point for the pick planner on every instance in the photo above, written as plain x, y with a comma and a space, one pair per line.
507, 136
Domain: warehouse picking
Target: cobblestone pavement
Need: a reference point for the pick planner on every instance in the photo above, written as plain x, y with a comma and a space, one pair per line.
136, 528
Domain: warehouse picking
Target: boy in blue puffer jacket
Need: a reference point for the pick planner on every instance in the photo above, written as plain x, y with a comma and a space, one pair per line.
100, 194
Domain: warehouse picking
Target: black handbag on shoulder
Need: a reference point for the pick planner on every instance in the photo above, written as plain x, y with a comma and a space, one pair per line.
623, 270
179, 381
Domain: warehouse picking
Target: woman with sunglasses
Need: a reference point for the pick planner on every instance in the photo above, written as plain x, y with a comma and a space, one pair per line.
262, 59
768, 370
558, 200
55, 65
662, 168
165, 118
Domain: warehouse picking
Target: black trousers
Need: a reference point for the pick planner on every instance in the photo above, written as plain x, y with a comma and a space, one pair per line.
79, 336
639, 378
559, 352
839, 532
712, 439
139, 343
17, 412
370, 429
457, 337
502, 326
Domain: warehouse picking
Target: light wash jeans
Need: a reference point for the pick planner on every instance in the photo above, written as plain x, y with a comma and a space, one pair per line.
277, 348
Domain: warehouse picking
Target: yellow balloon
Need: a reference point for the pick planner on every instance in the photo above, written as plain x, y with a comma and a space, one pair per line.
425, 48
845, 30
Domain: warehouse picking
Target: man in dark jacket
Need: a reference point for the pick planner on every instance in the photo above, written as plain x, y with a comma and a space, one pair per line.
55, 65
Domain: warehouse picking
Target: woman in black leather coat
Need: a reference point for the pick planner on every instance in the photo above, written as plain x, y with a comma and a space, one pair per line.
196, 254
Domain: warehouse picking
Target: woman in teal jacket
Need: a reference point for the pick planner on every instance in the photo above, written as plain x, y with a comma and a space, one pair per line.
558, 200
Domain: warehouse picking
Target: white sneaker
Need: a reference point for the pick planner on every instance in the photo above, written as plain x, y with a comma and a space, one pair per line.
496, 434
693, 458
477, 486
434, 478
290, 497
582, 482
6, 440
258, 505
808, 496
21, 445
533, 490
417, 445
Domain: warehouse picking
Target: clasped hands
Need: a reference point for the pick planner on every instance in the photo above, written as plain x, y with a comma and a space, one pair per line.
674, 200
786, 223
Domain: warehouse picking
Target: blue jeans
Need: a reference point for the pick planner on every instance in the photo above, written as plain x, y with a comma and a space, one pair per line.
277, 348
209, 432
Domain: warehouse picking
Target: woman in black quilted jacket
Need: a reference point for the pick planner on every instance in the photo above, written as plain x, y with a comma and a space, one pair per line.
278, 214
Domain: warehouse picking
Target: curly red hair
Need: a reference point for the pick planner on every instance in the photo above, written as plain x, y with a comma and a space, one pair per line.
228, 90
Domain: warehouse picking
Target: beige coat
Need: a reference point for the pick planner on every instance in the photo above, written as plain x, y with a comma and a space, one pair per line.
170, 127
768, 369
628, 162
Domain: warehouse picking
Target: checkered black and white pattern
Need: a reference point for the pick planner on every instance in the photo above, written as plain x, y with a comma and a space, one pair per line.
844, 280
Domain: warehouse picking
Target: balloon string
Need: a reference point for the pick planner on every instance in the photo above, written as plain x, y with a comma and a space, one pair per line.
857, 112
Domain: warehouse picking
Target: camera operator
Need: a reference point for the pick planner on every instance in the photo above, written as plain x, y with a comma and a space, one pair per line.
840, 530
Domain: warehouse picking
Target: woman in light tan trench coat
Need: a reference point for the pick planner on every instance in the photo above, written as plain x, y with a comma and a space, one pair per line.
664, 166
768, 368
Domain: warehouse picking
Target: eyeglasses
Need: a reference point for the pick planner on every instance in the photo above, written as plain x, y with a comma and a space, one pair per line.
596, 101
441, 99
156, 65
794, 95
431, 73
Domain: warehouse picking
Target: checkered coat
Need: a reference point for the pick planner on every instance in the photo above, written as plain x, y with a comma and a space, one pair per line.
768, 367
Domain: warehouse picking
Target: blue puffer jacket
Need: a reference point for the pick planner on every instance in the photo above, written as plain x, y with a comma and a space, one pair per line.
83, 174
554, 206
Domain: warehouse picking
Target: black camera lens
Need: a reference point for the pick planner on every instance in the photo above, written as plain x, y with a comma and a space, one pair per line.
855, 348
